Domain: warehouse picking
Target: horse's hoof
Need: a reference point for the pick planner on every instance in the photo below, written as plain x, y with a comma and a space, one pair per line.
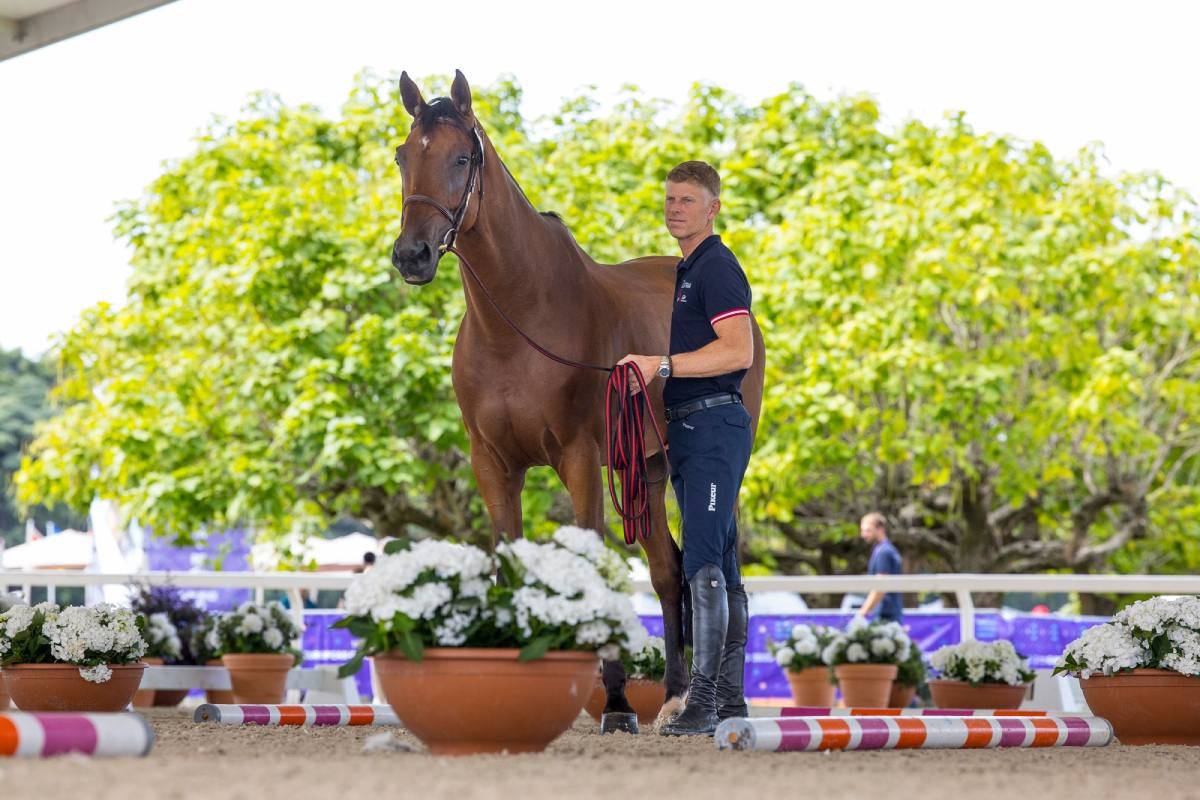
613, 721
667, 714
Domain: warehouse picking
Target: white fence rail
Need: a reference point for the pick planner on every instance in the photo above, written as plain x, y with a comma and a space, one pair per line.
960, 585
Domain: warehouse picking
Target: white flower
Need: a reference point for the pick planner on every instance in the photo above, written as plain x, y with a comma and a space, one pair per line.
273, 638
784, 656
807, 647
97, 674
251, 623
856, 652
882, 646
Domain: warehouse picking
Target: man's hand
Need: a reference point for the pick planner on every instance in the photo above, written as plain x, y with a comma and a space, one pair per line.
648, 366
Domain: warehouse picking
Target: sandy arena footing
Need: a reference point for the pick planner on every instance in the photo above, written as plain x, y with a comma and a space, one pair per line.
203, 762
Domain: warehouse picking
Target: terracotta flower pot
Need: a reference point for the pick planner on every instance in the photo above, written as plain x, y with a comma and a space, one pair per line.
460, 700
901, 696
168, 698
646, 697
60, 687
217, 696
960, 694
3, 692
144, 698
865, 685
1147, 706
258, 677
812, 687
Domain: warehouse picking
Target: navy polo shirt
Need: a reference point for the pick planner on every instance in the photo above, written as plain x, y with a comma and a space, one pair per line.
709, 287
885, 560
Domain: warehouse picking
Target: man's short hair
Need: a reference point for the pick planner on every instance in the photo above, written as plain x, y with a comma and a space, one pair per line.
876, 520
697, 173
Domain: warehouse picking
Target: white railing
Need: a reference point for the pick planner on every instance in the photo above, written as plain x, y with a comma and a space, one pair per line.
960, 585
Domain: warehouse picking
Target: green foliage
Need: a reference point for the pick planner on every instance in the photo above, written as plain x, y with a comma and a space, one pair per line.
24, 399
994, 346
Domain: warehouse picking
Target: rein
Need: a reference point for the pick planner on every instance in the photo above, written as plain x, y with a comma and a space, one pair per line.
624, 427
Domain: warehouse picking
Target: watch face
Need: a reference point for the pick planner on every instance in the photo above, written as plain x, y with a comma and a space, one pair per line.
664, 372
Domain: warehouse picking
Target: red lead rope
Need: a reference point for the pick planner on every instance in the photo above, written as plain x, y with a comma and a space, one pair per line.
624, 428
626, 442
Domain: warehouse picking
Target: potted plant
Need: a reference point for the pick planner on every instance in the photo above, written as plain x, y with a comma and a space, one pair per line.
979, 675
258, 647
476, 663
800, 656
1141, 670
7, 601
644, 689
71, 659
162, 645
185, 617
205, 645
910, 679
865, 659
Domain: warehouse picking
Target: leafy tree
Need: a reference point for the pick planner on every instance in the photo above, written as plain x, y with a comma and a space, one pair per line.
993, 346
24, 388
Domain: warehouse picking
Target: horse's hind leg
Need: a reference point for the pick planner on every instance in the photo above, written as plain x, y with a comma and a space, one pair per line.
580, 472
666, 575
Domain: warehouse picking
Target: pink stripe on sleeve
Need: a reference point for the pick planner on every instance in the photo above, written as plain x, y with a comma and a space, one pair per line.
735, 312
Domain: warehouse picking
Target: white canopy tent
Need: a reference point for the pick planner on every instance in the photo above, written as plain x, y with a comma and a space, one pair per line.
66, 550
29, 24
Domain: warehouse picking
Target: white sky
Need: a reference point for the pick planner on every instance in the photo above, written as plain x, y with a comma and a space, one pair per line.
89, 121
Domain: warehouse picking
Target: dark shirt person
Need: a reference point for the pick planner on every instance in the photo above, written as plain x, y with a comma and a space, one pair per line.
885, 560
710, 437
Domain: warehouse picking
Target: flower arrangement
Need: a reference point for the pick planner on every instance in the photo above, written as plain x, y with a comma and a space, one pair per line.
1162, 633
162, 638
549, 596
912, 671
803, 648
252, 628
649, 663
181, 613
866, 642
91, 637
205, 640
981, 662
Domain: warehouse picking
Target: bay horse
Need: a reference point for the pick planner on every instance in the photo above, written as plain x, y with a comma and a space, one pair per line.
521, 408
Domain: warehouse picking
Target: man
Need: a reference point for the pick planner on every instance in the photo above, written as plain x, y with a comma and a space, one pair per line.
709, 433
885, 560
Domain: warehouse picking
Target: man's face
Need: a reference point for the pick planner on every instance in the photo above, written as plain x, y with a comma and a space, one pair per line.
868, 532
688, 209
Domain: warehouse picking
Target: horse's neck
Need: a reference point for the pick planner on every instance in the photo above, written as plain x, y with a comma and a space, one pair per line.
530, 265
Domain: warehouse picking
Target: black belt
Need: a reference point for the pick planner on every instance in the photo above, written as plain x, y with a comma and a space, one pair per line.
712, 401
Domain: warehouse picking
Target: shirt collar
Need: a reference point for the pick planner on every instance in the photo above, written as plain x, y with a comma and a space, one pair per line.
699, 251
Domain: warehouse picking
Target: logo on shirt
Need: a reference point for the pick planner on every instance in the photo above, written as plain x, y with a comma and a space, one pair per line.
712, 497
685, 285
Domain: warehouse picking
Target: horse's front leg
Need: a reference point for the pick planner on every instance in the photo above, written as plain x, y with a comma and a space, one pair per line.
501, 487
579, 470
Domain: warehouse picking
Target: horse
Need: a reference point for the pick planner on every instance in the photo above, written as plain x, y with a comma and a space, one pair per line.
527, 281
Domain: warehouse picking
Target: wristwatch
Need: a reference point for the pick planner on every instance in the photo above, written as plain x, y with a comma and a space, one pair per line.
664, 367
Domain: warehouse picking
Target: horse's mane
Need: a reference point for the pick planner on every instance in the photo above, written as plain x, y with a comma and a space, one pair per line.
442, 108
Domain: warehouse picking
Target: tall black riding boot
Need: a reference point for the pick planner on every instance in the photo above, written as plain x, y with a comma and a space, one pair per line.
731, 694
710, 619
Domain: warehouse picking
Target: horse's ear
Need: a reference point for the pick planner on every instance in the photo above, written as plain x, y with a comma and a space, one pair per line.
411, 95
460, 93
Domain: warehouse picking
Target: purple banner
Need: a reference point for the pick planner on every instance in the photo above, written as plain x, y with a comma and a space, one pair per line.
1039, 637
230, 550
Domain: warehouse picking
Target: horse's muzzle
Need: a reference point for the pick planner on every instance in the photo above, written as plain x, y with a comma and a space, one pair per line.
415, 261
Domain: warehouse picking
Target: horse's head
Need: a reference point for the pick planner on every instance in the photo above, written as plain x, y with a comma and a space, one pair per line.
441, 166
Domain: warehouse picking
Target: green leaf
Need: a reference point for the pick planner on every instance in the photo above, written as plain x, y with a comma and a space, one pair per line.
536, 648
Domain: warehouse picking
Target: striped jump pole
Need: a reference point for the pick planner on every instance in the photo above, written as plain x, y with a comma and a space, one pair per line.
910, 733
37, 735
824, 711
338, 716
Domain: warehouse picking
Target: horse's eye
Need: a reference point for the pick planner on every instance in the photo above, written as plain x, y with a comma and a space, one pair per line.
463, 161
400, 156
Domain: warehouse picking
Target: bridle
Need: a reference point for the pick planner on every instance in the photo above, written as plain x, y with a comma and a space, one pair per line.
474, 176
624, 413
